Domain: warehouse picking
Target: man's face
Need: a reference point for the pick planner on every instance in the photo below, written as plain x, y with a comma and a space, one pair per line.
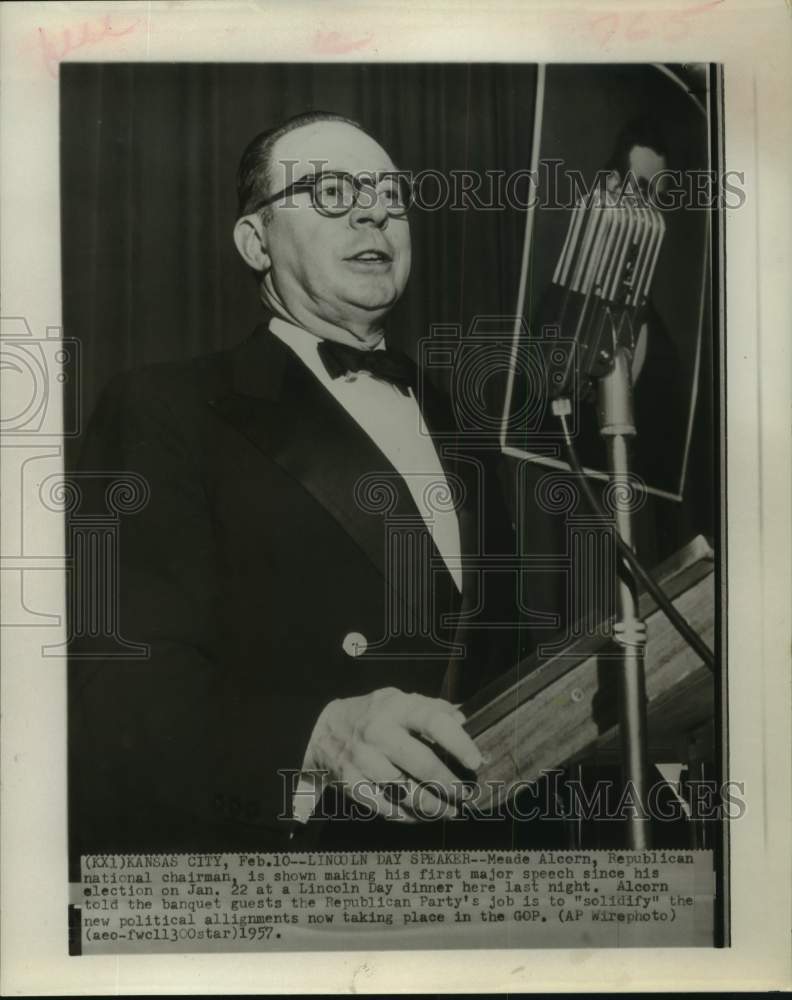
316, 267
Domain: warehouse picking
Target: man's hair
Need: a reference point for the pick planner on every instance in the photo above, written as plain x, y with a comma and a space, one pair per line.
253, 174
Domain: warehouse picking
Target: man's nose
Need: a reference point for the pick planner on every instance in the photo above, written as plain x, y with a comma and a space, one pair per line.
369, 210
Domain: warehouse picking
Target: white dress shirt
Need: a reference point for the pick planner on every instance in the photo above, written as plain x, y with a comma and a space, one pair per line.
394, 423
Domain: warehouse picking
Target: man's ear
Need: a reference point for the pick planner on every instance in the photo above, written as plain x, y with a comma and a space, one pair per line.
250, 238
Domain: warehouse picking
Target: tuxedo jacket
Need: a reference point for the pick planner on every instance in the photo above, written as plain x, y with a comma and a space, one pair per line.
275, 544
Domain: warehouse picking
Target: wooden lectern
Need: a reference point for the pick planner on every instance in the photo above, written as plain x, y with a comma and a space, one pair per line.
557, 709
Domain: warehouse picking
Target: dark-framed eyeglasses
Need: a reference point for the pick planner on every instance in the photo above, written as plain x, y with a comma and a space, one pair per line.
335, 192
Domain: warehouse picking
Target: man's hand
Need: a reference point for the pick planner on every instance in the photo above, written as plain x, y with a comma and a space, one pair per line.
370, 745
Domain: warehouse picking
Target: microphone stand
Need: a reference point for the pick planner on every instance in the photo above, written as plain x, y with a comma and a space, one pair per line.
617, 427
603, 278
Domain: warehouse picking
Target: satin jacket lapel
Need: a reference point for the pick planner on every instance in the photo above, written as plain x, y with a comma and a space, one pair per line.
281, 408
441, 423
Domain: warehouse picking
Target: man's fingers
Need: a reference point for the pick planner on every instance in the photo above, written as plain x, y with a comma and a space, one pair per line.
387, 791
375, 742
424, 804
375, 765
421, 763
440, 721
367, 792
447, 732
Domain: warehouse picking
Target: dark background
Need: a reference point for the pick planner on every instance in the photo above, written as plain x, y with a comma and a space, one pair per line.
148, 162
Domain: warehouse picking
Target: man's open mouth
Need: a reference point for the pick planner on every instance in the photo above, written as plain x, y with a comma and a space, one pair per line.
372, 256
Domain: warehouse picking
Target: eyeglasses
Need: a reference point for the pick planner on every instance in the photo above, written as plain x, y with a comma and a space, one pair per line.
334, 193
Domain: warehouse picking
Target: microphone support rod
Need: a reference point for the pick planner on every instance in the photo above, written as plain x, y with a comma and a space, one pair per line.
617, 427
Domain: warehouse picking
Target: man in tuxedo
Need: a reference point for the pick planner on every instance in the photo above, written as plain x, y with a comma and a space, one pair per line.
298, 574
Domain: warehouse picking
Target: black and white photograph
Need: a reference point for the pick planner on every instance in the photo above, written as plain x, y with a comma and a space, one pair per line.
385, 429
317, 550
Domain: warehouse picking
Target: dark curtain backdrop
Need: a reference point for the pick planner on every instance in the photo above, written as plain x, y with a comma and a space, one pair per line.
149, 156
148, 161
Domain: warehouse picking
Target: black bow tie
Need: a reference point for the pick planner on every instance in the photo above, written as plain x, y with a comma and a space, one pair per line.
390, 366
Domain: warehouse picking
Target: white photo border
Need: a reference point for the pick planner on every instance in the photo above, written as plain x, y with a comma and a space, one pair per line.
751, 40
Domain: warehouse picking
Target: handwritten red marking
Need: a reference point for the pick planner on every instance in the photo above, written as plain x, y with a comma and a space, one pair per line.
605, 27
55, 46
669, 26
638, 28
333, 42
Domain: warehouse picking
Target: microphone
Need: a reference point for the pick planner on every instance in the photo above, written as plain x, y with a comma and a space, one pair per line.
601, 284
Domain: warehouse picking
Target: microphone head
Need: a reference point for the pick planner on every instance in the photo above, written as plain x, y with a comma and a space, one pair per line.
601, 283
